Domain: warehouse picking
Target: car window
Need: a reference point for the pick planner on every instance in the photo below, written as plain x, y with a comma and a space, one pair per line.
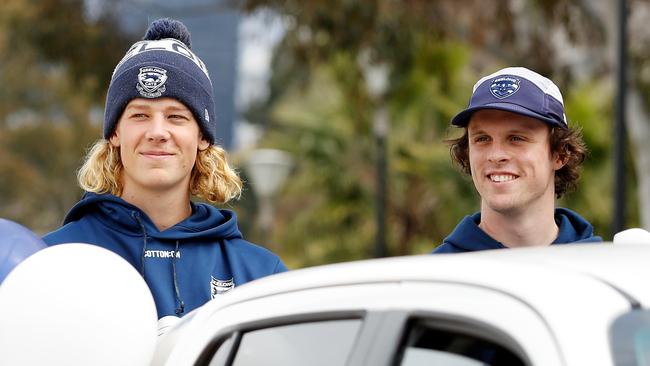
326, 343
223, 351
425, 344
421, 357
630, 339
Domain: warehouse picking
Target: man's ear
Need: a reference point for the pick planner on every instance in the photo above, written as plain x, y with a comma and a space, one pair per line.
559, 160
114, 140
203, 144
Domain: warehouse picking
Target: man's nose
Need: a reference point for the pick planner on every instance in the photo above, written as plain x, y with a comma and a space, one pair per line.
158, 130
498, 153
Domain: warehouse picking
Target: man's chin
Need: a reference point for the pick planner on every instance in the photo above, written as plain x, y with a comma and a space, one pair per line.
505, 207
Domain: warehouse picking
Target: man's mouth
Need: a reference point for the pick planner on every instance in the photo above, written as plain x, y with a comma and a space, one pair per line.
499, 178
157, 154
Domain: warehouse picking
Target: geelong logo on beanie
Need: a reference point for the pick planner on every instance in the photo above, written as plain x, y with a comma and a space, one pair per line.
151, 82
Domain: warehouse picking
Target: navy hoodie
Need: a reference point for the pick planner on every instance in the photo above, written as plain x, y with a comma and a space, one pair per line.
468, 237
186, 265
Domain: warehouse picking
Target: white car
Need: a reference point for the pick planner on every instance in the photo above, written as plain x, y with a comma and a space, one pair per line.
573, 305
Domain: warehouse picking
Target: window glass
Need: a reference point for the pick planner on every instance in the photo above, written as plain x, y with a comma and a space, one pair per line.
642, 346
221, 355
426, 345
326, 343
421, 357
630, 339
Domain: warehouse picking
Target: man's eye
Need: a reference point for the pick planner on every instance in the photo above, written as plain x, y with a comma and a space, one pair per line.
517, 138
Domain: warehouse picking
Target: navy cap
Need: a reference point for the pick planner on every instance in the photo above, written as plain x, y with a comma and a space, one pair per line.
161, 68
517, 90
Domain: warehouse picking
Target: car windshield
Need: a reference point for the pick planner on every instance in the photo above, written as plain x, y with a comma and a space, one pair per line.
630, 338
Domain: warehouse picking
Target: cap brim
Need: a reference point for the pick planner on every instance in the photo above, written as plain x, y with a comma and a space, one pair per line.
462, 118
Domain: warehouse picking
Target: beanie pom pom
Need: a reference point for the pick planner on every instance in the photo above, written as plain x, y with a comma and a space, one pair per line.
168, 28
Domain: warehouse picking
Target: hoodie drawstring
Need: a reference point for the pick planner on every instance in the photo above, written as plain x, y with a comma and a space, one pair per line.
181, 305
144, 245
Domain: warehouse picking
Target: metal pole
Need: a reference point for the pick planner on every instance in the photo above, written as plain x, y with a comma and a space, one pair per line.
380, 129
620, 135
376, 75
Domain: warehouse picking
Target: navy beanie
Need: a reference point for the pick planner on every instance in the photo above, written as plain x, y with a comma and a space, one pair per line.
162, 65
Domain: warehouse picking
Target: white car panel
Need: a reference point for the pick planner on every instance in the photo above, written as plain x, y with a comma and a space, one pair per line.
555, 305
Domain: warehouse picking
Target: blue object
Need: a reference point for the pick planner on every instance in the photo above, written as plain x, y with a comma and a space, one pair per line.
517, 90
186, 265
16, 243
162, 68
469, 237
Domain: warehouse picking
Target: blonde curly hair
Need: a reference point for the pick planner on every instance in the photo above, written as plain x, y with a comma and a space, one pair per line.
212, 178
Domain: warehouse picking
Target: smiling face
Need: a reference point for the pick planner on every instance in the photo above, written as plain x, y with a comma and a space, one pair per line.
511, 163
158, 141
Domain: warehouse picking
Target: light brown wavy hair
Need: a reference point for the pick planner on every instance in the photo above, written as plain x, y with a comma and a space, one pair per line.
212, 178
566, 142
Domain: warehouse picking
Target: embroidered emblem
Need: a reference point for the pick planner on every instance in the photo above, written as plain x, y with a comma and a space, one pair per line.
220, 287
151, 81
207, 115
504, 87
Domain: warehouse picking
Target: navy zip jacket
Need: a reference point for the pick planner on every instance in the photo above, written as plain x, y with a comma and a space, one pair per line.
186, 265
468, 237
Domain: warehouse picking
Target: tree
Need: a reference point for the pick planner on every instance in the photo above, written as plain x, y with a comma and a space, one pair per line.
55, 75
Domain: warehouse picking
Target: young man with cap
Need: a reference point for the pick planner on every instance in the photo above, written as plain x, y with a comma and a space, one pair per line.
158, 150
521, 155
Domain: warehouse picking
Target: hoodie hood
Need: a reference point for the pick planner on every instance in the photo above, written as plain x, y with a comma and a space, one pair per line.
573, 228
468, 236
206, 222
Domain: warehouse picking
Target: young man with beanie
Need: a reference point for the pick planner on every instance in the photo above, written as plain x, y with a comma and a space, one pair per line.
158, 150
521, 154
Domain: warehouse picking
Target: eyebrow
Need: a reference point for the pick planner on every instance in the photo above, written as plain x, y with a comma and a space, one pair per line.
519, 129
136, 106
181, 108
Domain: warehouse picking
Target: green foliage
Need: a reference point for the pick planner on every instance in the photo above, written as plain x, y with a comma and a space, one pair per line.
55, 66
320, 111
590, 107
320, 127
326, 211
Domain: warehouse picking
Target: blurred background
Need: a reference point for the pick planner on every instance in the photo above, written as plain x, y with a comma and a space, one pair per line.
335, 112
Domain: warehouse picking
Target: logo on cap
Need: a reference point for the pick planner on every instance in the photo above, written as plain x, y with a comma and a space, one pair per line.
151, 81
504, 86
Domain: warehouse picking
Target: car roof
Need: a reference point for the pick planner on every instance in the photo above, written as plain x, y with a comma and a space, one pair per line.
625, 267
